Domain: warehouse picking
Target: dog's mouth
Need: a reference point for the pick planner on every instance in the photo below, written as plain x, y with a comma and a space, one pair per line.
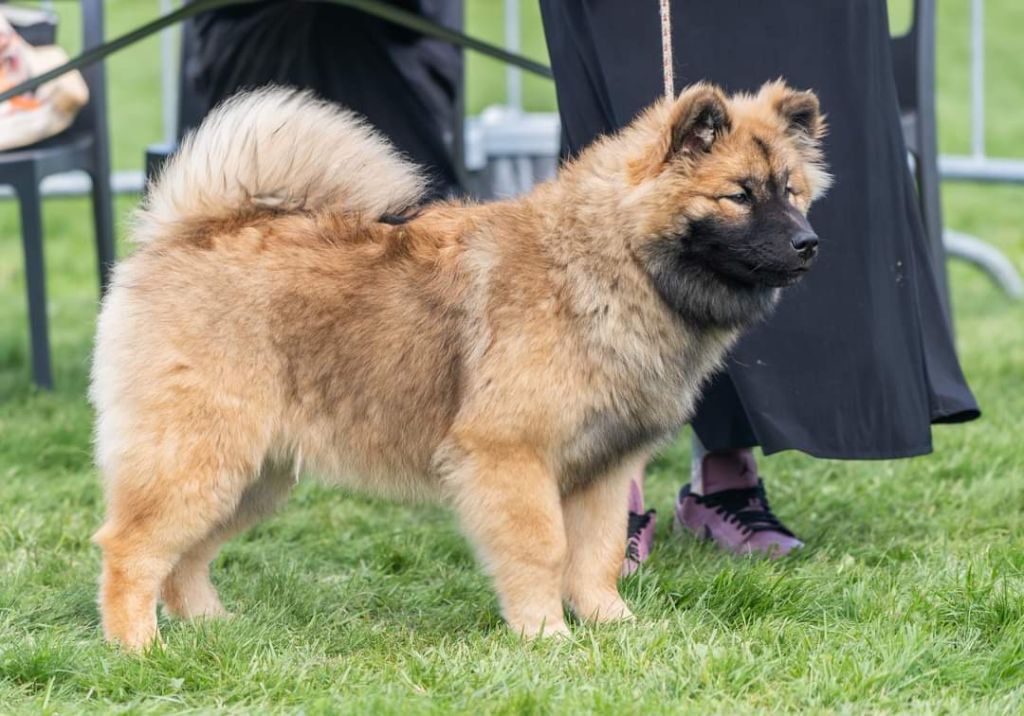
748, 274
781, 279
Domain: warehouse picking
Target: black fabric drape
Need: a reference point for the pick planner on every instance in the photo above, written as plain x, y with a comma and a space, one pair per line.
403, 83
858, 360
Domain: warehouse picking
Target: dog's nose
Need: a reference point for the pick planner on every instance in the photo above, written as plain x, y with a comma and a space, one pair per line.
806, 244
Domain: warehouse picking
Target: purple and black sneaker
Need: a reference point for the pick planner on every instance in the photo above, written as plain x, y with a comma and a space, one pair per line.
640, 531
734, 511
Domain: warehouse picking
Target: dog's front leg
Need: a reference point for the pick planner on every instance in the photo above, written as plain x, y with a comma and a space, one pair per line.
510, 509
595, 525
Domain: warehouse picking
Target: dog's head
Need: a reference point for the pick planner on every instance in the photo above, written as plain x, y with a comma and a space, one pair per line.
720, 188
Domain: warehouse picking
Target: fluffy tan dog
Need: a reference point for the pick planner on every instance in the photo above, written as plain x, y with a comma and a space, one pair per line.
518, 360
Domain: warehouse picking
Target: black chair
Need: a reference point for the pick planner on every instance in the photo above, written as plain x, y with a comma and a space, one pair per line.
84, 146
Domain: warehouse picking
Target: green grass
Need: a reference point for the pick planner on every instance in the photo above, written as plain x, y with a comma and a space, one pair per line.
908, 599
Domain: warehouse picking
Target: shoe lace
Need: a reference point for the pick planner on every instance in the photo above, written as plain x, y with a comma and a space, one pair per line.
746, 507
637, 523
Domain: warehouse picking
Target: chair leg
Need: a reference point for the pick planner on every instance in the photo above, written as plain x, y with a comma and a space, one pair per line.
30, 200
103, 222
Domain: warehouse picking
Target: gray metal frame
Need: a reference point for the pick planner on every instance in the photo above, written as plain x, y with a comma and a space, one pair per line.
914, 70
978, 166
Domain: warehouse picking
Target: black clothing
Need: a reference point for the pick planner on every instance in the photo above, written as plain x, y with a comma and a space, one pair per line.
858, 360
403, 83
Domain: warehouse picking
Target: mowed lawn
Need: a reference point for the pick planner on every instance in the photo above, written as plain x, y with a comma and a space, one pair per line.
909, 597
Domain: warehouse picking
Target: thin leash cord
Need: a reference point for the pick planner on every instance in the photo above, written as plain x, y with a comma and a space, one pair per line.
666, 50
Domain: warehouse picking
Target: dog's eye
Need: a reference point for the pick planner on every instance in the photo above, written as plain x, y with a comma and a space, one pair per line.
742, 199
790, 191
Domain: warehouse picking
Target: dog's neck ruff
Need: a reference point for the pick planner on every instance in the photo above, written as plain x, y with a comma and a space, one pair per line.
702, 297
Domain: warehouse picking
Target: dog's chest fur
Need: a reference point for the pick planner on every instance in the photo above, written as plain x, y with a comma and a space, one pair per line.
646, 369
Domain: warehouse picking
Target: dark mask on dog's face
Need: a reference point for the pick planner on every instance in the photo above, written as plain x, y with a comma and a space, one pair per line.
771, 246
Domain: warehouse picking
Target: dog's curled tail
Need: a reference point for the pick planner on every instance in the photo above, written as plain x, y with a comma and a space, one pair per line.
279, 150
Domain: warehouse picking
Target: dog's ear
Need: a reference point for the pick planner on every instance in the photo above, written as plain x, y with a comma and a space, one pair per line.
689, 129
799, 110
805, 124
699, 116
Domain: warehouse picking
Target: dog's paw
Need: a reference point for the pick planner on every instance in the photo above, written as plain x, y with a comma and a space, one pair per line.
134, 639
601, 608
542, 630
192, 599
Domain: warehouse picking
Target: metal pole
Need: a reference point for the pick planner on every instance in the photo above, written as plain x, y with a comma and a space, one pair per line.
169, 77
978, 78
988, 258
513, 75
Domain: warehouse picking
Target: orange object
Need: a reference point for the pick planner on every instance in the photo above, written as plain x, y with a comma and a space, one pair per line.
24, 102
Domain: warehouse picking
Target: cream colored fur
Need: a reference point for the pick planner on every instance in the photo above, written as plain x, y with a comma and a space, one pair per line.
279, 149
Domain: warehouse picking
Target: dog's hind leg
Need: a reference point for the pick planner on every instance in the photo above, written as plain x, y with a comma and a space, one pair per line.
511, 510
595, 526
166, 491
187, 591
